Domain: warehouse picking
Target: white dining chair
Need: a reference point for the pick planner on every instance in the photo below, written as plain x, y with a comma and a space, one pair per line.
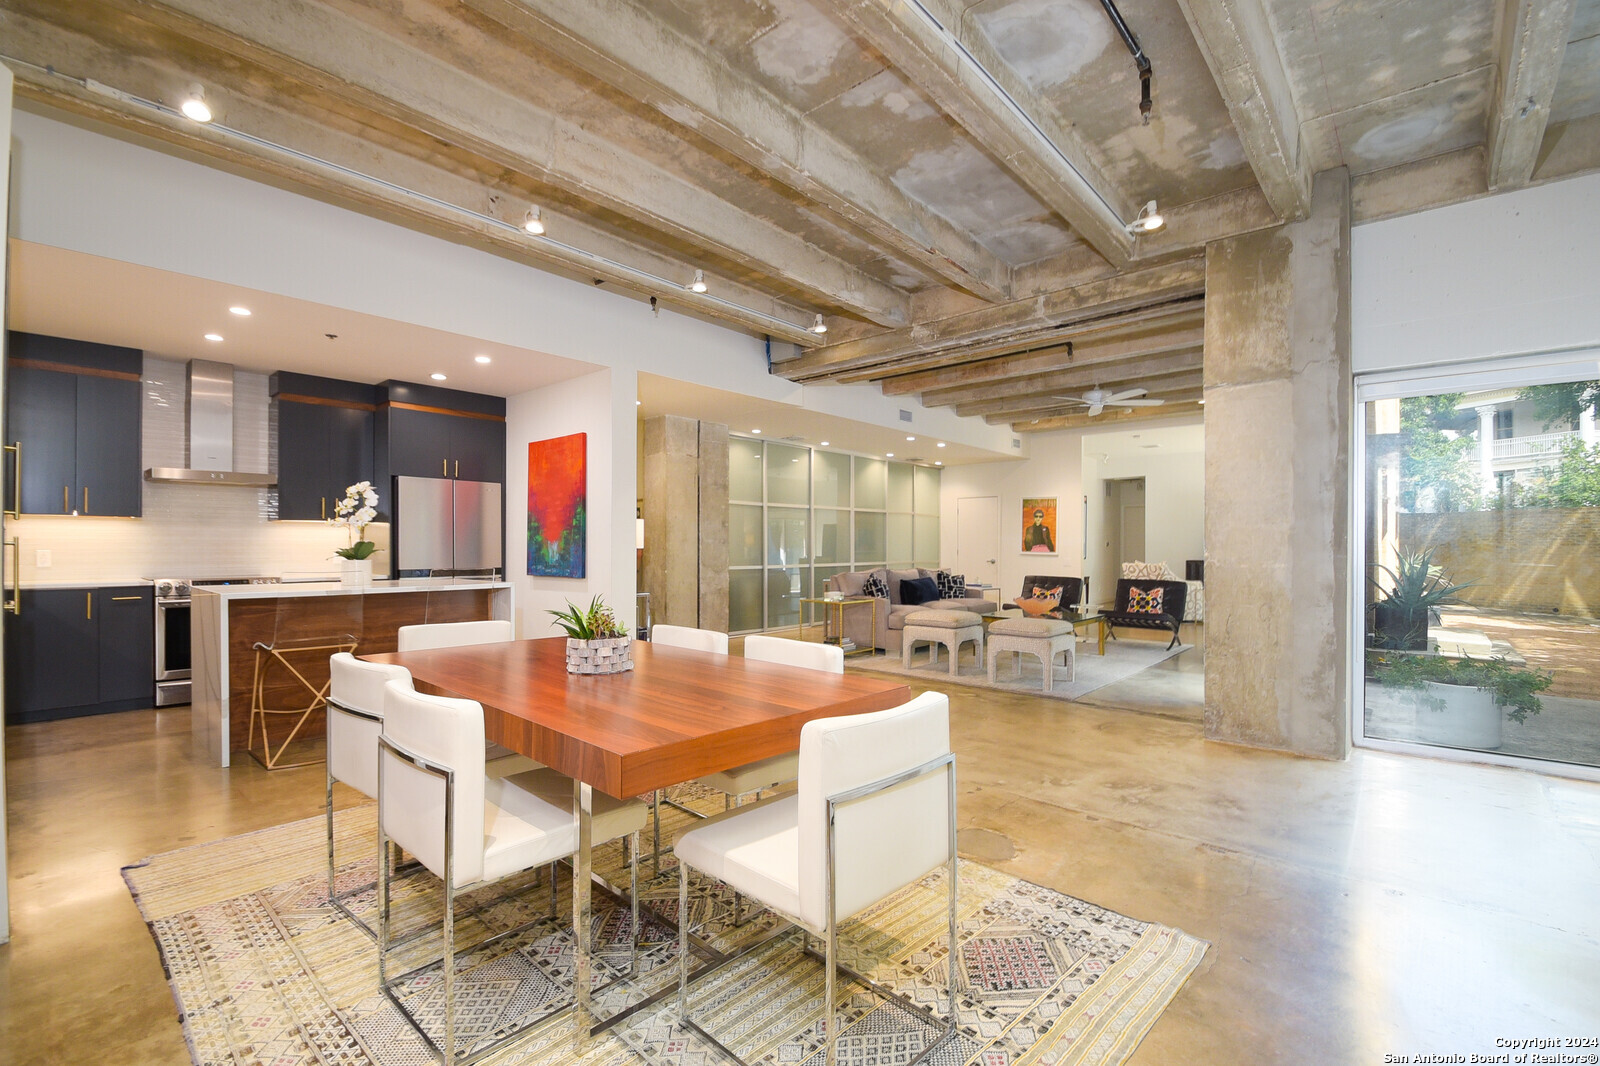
354, 723
431, 635
471, 830
453, 634
670, 636
875, 811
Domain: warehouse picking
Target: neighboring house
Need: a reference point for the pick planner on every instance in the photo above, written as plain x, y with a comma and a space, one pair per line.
1513, 443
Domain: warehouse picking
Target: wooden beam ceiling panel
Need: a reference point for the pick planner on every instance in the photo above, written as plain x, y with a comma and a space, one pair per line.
1125, 372
1019, 322
358, 61
1030, 406
1108, 418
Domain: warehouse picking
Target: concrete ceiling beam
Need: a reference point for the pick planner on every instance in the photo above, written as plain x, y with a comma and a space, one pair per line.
1530, 43
353, 60
1016, 323
1087, 348
1122, 371
1188, 405
449, 204
1160, 387
1002, 114
1241, 50
623, 44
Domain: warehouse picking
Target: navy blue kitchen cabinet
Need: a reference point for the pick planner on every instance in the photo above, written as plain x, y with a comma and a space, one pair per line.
324, 441
423, 431
81, 651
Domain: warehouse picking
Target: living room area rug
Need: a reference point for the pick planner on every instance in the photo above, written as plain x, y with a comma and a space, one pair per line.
265, 970
1122, 660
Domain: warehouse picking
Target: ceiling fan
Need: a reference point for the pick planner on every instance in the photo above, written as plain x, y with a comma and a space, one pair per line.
1097, 399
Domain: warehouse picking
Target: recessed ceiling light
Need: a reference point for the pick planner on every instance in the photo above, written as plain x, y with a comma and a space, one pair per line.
699, 282
819, 326
534, 223
911, 438
437, 377
213, 337
889, 454
824, 444
1202, 403
194, 105
637, 403
755, 431
242, 312
483, 359
938, 462
939, 445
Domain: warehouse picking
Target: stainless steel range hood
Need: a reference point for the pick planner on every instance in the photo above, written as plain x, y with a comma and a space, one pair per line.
208, 424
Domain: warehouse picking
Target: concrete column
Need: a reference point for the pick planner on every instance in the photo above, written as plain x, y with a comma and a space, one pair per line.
686, 521
1486, 449
1278, 405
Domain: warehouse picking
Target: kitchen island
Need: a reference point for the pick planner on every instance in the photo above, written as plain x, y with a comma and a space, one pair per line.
228, 620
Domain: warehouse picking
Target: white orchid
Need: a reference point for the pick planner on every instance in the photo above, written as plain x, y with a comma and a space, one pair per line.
355, 512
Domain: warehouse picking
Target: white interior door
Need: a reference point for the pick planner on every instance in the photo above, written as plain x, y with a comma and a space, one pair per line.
978, 538
1132, 533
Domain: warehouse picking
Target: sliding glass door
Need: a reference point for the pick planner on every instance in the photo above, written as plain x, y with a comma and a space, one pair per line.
1479, 609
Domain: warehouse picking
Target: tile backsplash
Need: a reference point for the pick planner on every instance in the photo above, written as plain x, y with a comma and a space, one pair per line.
187, 530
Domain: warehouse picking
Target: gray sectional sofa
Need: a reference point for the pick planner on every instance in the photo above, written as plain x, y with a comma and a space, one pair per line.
892, 616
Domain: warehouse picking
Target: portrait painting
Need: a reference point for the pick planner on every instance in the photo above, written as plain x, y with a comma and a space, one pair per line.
1039, 525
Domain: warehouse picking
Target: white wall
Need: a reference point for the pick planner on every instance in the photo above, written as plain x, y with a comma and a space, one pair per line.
1068, 466
1502, 275
601, 405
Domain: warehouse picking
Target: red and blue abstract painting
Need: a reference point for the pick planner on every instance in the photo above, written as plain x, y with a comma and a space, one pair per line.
557, 498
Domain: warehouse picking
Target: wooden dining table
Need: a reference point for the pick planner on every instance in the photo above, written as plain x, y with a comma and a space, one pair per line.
677, 715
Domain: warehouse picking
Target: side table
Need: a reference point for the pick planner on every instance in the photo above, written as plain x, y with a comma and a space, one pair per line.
833, 620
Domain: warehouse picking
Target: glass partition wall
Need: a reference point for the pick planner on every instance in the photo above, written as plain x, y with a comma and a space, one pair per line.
1480, 534
797, 516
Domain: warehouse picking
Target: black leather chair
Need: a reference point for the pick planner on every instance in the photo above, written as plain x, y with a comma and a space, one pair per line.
1074, 591
1172, 600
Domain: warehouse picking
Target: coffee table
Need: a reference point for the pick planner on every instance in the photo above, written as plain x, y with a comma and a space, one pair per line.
1081, 620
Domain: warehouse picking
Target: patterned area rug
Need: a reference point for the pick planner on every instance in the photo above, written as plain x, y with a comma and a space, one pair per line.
265, 971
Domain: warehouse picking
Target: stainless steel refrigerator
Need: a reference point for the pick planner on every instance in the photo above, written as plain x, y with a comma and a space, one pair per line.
441, 524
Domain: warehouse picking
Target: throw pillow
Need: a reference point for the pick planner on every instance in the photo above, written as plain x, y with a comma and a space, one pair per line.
922, 590
1145, 601
875, 585
951, 586
1043, 601
1140, 571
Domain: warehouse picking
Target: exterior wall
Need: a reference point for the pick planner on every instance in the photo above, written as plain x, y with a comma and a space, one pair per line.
1539, 560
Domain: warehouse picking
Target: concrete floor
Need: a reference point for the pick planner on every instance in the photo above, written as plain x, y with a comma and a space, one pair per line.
1383, 905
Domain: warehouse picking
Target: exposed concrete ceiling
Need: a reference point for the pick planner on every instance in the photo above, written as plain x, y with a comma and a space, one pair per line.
945, 181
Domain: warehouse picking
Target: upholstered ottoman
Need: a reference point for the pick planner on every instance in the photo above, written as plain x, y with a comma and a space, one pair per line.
933, 628
1044, 637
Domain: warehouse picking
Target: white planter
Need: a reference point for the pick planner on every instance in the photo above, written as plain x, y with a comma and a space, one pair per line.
609, 656
1458, 716
355, 571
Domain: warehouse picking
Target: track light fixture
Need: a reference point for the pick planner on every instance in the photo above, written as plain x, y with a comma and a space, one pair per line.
194, 105
1150, 219
534, 224
819, 326
699, 282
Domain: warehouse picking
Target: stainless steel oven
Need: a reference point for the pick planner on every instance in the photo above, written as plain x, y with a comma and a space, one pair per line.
172, 642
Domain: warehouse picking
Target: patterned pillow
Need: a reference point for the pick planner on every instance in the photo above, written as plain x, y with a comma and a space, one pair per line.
1139, 571
875, 585
1145, 601
951, 586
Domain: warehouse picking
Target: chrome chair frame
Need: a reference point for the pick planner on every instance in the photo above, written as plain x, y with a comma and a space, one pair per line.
830, 958
447, 1053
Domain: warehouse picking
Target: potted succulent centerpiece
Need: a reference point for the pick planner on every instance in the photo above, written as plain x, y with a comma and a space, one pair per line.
1461, 702
596, 642
355, 512
1401, 615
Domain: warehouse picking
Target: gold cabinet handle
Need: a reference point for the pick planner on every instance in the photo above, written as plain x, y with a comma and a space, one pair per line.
86, 499
14, 604
15, 511
88, 605
324, 508
66, 499
118, 599
458, 468
444, 468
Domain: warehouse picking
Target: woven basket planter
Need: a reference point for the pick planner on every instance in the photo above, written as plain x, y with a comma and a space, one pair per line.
609, 656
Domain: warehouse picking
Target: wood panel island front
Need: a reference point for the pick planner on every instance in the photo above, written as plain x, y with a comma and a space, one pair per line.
229, 620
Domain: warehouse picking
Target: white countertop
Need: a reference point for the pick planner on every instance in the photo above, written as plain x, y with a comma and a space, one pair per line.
297, 589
